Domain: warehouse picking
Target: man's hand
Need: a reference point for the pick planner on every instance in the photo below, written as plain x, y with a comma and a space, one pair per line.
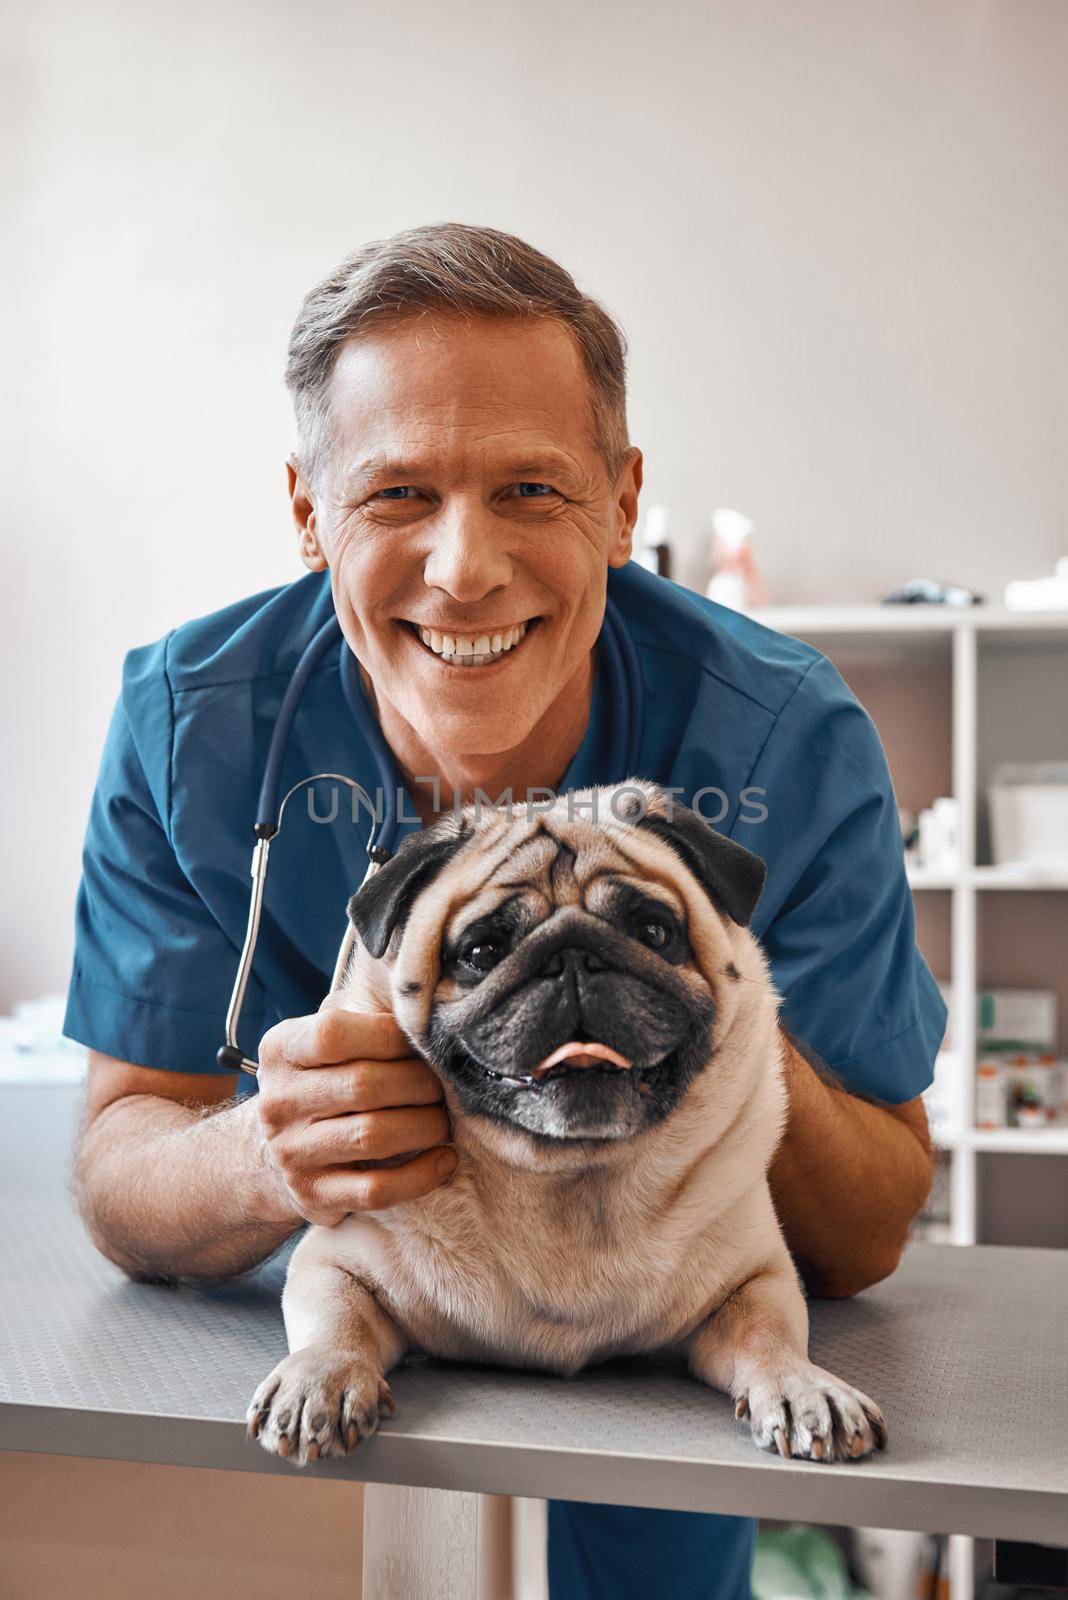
179, 1183
339, 1093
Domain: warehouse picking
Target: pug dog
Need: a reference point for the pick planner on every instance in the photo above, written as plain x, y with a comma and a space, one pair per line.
583, 981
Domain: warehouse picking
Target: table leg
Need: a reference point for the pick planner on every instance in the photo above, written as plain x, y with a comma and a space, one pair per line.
419, 1544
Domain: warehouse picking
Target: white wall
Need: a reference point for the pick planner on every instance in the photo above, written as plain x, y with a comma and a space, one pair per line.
835, 233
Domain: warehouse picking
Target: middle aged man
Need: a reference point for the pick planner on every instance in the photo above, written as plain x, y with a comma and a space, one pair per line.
463, 467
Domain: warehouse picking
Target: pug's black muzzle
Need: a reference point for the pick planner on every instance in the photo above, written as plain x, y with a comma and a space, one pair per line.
574, 978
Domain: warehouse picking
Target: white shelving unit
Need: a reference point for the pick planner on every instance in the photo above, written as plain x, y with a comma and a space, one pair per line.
832, 628
840, 630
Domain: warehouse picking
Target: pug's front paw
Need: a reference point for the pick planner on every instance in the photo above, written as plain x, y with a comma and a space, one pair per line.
318, 1402
807, 1412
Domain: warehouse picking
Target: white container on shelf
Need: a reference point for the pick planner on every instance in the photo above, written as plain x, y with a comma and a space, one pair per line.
991, 1095
1029, 814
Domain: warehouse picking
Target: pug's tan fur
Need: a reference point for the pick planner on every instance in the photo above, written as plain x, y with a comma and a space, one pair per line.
554, 1254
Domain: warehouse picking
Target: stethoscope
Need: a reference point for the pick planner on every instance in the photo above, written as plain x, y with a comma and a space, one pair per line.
622, 692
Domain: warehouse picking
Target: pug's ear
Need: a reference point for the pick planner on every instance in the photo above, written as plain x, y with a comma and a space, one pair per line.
382, 905
732, 876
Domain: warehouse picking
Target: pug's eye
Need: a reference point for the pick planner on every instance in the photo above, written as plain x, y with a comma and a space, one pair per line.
483, 954
654, 933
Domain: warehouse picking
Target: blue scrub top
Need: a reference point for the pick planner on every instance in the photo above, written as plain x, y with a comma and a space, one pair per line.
730, 706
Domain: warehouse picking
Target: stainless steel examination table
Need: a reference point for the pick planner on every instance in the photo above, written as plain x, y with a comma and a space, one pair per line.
965, 1349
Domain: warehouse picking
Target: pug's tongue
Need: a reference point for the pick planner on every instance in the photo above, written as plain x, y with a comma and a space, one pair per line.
581, 1053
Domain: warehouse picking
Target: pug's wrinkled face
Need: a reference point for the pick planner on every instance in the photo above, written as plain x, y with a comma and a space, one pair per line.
560, 974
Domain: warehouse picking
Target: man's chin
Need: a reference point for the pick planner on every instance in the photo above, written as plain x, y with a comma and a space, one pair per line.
462, 739
461, 723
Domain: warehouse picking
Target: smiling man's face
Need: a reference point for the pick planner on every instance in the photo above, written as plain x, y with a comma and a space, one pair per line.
468, 521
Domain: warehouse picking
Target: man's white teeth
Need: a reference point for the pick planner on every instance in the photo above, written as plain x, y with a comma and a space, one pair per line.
472, 649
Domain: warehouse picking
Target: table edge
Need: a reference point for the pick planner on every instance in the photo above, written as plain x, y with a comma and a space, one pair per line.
842, 1495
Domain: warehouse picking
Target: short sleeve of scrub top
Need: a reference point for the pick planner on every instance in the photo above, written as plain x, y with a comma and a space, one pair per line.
837, 917
151, 961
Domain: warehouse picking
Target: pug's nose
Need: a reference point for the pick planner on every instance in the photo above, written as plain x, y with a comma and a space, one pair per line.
574, 959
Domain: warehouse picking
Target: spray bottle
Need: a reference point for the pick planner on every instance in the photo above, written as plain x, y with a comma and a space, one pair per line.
736, 581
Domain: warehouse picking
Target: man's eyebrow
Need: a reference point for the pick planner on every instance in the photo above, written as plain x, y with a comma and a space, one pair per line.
404, 469
396, 469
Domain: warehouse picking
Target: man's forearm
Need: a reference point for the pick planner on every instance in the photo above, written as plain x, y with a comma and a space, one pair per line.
848, 1179
171, 1192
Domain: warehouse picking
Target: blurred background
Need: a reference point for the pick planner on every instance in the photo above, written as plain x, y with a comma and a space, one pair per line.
836, 238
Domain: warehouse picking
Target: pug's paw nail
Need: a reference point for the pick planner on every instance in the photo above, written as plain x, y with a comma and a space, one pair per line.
385, 1397
877, 1424
318, 1402
741, 1408
812, 1413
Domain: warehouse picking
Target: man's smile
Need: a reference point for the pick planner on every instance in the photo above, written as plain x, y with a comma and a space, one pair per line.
483, 649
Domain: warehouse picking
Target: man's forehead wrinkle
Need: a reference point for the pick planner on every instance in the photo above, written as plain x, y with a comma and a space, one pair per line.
481, 459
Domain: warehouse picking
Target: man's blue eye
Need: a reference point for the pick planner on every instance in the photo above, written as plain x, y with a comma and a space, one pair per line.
397, 491
535, 486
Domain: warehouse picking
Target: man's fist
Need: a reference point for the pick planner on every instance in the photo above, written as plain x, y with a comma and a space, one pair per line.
339, 1094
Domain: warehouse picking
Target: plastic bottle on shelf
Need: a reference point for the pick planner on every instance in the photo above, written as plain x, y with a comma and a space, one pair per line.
990, 1096
736, 581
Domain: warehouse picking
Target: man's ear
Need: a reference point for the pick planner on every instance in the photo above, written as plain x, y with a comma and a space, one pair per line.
302, 506
628, 488
382, 905
732, 876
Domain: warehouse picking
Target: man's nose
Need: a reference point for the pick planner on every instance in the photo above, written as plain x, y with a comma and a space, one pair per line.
468, 556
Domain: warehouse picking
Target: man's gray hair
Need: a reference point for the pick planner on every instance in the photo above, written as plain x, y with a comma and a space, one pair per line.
459, 270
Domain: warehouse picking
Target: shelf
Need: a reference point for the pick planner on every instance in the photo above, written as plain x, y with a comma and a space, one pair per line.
1008, 878
810, 621
1019, 877
1009, 1141
924, 878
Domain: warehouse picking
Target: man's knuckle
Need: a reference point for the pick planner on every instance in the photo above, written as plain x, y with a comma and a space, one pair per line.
370, 1190
286, 1158
269, 1122
272, 1050
357, 1086
276, 1111
331, 1033
357, 1140
311, 1188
